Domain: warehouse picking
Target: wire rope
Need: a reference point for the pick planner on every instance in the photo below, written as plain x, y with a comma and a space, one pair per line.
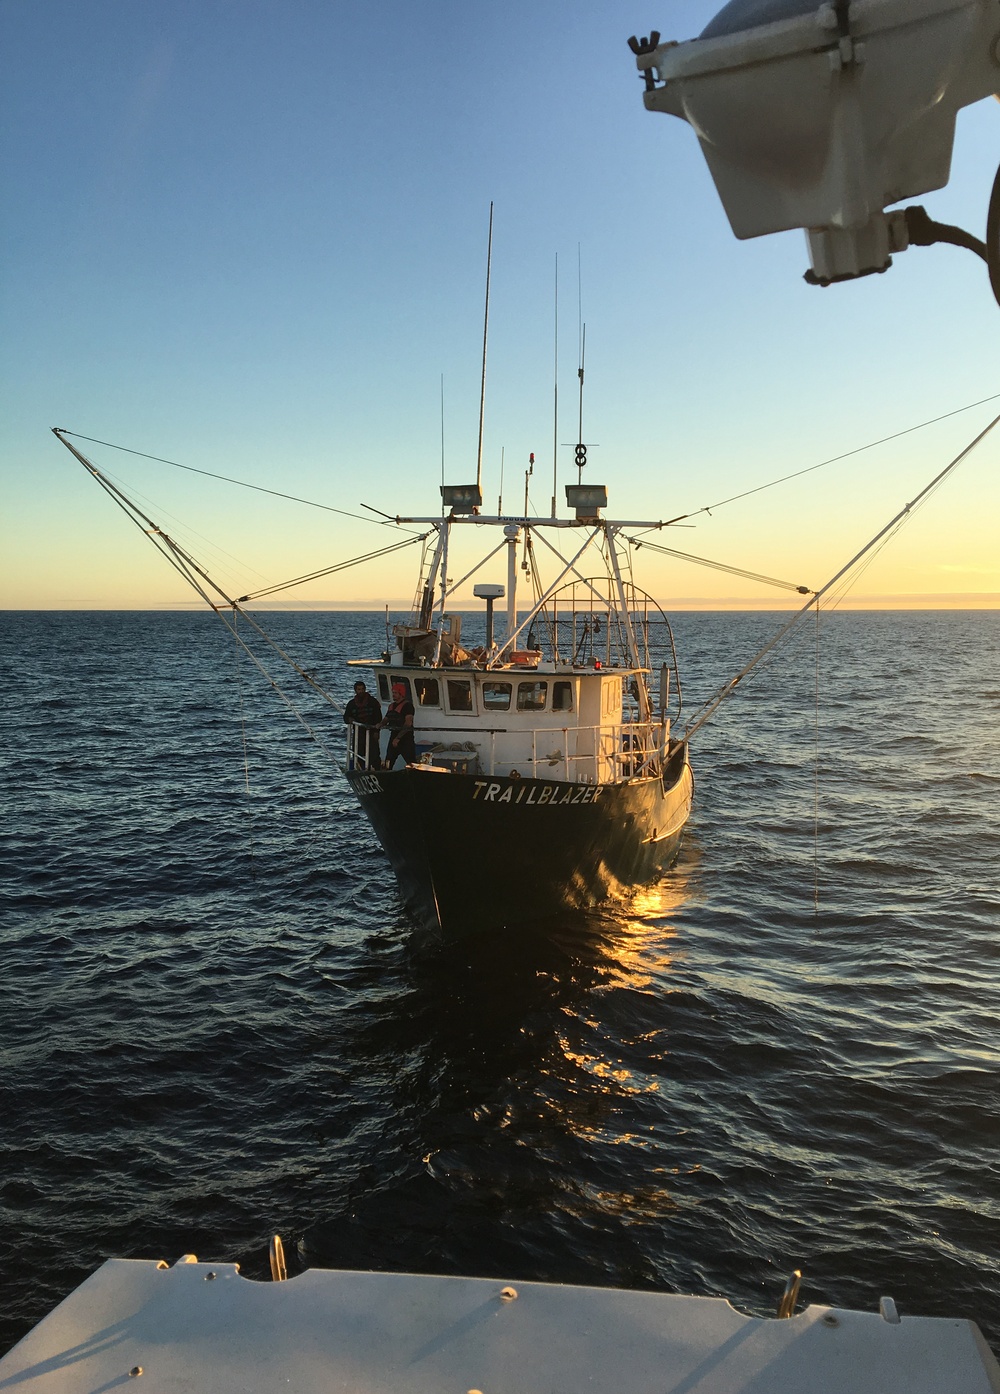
181, 527
881, 538
858, 450
330, 570
816, 780
718, 566
227, 479
246, 756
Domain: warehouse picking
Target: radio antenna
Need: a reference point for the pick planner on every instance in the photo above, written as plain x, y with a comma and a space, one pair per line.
581, 449
486, 325
555, 395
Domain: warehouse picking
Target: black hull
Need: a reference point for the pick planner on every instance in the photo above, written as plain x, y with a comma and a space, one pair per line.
476, 853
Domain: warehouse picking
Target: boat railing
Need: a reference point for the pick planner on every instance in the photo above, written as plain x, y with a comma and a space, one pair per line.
626, 750
363, 751
575, 754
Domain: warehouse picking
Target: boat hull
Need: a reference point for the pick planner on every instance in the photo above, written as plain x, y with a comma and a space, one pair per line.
472, 852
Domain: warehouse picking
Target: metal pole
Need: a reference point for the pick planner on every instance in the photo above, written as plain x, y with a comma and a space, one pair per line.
486, 325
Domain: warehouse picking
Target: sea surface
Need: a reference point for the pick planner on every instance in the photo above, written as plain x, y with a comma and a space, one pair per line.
217, 1023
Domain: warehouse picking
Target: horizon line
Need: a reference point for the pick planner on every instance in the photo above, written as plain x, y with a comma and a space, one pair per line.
958, 600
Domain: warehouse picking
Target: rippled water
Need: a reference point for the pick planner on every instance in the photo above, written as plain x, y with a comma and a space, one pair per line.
217, 1023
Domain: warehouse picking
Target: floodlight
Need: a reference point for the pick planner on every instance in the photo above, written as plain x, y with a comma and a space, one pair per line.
587, 499
820, 116
462, 498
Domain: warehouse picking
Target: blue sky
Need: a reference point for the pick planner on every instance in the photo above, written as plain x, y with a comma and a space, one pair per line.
251, 237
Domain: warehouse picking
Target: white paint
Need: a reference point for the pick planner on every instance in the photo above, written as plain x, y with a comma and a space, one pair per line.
376, 1333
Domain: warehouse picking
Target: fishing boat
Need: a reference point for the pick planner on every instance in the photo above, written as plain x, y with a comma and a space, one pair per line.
543, 774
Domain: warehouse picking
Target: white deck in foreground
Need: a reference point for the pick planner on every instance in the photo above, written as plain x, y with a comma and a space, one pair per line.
201, 1327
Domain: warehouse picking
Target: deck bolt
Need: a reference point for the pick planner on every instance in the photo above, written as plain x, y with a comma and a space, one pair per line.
209, 1277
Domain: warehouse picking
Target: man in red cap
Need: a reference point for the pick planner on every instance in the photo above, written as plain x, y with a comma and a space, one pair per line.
399, 720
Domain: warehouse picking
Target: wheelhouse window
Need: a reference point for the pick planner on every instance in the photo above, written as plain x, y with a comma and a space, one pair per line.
459, 695
496, 696
383, 688
531, 696
427, 692
562, 697
396, 680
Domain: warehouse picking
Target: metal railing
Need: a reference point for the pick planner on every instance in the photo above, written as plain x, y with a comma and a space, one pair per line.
588, 754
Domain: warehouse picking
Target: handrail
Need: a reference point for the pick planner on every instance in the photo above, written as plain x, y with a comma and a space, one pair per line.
625, 750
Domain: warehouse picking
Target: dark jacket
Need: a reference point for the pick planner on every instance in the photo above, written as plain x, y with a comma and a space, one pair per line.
363, 711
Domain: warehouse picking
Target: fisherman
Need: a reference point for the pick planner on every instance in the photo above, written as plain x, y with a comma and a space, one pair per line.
399, 721
363, 712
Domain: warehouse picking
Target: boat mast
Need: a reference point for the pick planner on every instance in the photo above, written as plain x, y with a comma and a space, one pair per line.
633, 647
512, 532
441, 559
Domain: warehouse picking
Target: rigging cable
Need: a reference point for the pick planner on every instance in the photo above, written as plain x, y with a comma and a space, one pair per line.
226, 479
186, 565
719, 566
858, 450
246, 758
712, 704
816, 782
329, 570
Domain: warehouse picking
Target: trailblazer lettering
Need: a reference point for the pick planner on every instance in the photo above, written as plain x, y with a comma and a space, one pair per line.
530, 793
367, 784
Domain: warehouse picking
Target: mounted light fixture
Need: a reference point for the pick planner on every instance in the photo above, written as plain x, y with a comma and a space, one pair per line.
820, 116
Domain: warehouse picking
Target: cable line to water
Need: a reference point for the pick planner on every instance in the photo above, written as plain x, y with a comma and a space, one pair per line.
246, 756
712, 704
210, 591
816, 782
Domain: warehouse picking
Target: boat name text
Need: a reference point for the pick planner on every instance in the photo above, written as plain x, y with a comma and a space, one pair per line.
549, 793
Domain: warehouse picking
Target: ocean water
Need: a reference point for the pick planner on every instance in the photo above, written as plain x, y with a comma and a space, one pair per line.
217, 1023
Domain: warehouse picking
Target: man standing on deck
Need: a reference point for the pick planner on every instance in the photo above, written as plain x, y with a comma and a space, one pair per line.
399, 720
365, 713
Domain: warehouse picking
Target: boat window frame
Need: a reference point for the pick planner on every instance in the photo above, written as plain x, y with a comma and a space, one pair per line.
384, 687
494, 685
451, 708
533, 707
422, 683
567, 686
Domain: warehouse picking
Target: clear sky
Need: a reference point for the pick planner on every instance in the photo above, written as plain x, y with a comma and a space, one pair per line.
250, 237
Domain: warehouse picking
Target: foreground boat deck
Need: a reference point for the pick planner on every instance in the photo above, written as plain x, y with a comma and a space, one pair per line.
198, 1326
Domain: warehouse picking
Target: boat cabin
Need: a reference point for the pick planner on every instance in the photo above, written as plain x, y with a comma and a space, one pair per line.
530, 720
563, 694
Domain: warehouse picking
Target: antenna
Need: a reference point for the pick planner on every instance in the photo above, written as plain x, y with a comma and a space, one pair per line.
442, 430
581, 449
500, 496
555, 396
486, 325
